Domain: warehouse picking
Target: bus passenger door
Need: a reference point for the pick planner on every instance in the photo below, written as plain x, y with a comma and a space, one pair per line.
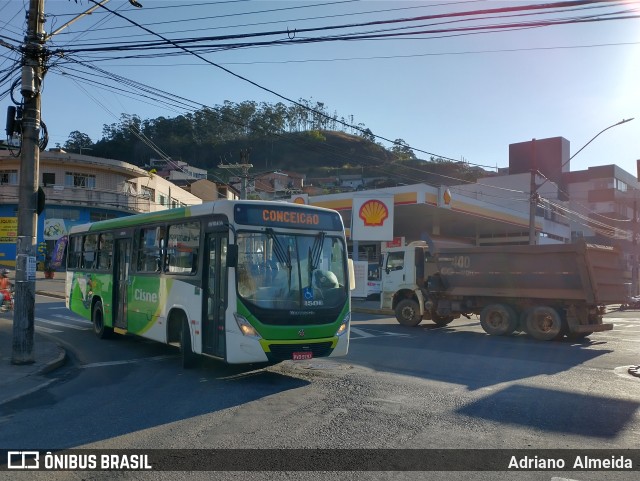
215, 298
122, 263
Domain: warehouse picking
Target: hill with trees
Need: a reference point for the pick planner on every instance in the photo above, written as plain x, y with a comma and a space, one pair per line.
271, 137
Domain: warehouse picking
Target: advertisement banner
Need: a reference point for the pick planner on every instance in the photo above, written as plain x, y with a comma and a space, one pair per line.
58, 252
8, 230
54, 229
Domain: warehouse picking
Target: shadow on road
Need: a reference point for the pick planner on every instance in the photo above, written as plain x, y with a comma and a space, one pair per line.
103, 402
557, 411
473, 359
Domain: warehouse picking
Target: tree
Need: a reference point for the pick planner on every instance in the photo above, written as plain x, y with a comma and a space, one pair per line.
402, 150
77, 141
366, 133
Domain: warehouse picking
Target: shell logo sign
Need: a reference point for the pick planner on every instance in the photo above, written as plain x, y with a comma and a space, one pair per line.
372, 217
373, 213
299, 199
444, 197
447, 197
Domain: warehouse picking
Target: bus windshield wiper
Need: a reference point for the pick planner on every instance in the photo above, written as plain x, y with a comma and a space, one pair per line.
313, 259
314, 253
283, 256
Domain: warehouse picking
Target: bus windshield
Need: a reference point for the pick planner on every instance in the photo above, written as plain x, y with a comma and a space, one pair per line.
291, 271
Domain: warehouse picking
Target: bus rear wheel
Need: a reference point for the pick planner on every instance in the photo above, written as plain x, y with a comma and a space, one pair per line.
188, 358
97, 319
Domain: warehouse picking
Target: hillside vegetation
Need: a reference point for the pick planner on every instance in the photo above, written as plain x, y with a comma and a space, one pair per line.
270, 137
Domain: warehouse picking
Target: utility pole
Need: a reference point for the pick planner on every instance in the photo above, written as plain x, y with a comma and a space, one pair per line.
244, 166
25, 285
634, 244
533, 195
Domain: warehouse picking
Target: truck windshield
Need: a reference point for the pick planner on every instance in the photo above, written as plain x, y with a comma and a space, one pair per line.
287, 271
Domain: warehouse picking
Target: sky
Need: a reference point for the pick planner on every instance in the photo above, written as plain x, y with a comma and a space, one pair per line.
465, 94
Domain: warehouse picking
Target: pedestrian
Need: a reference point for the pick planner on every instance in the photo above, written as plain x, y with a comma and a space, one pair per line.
5, 289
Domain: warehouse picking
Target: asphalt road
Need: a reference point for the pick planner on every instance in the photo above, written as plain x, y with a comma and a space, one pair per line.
401, 388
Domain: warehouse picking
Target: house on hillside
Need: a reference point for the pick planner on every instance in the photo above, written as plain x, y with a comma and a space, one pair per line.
192, 179
208, 191
272, 185
174, 170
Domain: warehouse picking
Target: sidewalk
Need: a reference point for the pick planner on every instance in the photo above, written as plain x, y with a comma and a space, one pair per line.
19, 380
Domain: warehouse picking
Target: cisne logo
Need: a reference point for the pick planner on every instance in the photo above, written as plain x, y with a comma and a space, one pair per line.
373, 213
142, 295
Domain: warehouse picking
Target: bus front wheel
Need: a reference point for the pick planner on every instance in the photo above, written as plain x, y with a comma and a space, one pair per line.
97, 318
186, 351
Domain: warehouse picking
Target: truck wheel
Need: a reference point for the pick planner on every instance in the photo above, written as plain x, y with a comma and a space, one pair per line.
543, 323
408, 313
498, 319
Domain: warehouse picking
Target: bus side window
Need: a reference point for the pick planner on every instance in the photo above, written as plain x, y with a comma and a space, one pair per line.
89, 251
150, 249
183, 244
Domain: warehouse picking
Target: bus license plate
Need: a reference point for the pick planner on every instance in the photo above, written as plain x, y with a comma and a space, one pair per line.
301, 356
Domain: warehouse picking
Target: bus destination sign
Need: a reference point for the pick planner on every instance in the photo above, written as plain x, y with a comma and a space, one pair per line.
286, 216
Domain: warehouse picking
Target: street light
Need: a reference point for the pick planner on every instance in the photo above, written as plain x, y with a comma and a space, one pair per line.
534, 188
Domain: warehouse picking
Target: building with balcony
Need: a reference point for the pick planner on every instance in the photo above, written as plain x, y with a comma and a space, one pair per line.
81, 189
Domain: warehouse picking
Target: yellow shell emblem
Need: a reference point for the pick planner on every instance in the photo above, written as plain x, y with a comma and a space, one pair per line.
373, 213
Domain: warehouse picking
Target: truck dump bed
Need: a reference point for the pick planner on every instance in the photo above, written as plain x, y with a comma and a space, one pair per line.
579, 271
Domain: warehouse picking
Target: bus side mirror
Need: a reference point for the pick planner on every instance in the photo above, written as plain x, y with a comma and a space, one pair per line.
232, 255
352, 275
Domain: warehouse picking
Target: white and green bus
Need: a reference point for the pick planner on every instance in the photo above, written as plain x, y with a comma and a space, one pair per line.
238, 281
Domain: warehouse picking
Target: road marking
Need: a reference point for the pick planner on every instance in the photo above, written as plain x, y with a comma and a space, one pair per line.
361, 333
364, 334
72, 318
62, 324
127, 361
45, 329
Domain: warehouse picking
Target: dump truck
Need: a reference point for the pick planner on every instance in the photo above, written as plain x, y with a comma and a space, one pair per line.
547, 291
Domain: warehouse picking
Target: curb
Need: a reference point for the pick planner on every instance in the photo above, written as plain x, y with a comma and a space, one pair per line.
57, 295
49, 367
54, 364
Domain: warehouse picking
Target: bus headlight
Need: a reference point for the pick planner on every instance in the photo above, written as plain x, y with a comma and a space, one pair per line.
344, 327
246, 328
